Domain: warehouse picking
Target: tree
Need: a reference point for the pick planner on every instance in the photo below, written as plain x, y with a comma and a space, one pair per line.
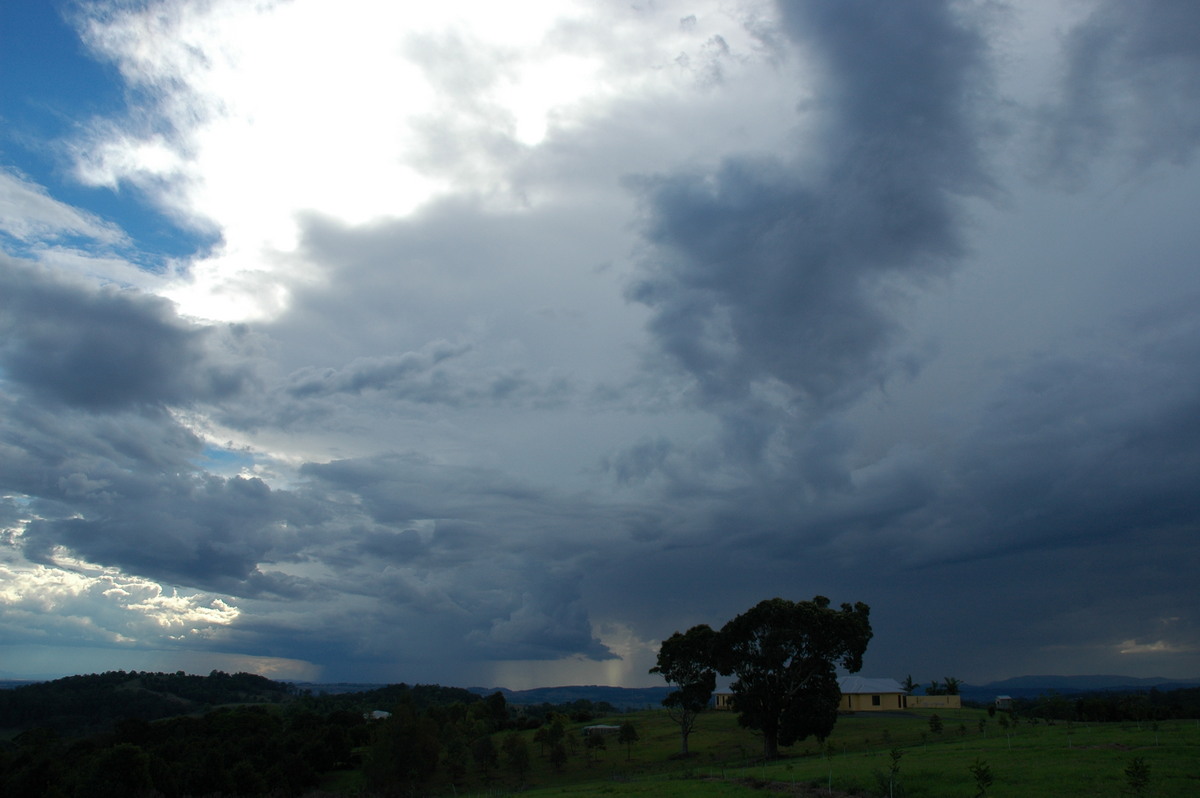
593, 744
1137, 776
516, 754
893, 775
951, 685
935, 724
983, 777
686, 662
909, 685
784, 654
628, 734
483, 751
404, 750
558, 756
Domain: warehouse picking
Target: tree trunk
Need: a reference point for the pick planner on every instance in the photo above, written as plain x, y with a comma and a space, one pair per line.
770, 745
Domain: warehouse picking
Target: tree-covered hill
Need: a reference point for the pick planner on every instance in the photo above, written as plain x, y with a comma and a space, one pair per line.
84, 704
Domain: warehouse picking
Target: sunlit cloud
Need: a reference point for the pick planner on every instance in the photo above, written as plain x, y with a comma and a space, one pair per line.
356, 111
1156, 647
103, 605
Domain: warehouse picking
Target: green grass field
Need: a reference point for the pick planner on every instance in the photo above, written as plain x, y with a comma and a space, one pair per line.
1033, 760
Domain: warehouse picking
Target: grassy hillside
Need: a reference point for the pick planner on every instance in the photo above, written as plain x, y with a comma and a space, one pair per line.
1061, 760
264, 739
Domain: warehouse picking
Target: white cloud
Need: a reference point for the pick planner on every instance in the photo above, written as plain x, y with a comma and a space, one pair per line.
89, 604
1156, 647
260, 113
28, 213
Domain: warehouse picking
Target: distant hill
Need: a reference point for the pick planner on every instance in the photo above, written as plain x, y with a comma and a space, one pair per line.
1034, 686
1091, 682
619, 697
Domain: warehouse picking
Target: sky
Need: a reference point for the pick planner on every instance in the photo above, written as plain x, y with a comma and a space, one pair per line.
489, 344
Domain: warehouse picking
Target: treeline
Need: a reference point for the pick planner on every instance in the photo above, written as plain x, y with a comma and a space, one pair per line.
284, 742
245, 751
1108, 707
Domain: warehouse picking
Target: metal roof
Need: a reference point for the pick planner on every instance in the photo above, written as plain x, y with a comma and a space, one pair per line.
857, 684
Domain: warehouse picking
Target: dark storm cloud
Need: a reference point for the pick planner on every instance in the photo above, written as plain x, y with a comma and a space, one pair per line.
1131, 82
508, 555
105, 467
1089, 448
775, 270
123, 490
102, 349
477, 509
205, 530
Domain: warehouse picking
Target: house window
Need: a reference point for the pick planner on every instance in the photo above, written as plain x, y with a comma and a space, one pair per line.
875, 701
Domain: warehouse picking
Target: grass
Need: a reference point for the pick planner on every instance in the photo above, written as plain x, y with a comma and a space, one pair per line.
1061, 760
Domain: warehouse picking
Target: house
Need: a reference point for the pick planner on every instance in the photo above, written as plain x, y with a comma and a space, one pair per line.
860, 694
870, 695
1004, 702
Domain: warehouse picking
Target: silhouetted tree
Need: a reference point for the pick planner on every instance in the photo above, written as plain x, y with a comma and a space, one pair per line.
628, 735
784, 655
686, 661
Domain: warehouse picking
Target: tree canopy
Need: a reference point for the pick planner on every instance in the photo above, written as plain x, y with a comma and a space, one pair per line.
784, 655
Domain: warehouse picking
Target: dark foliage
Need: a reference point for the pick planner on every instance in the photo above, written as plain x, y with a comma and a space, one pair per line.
176, 736
88, 704
1112, 707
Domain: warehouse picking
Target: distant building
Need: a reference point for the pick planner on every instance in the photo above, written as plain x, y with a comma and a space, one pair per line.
1003, 702
870, 695
588, 731
860, 694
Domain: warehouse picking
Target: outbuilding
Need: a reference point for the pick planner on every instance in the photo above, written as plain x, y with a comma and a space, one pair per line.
588, 731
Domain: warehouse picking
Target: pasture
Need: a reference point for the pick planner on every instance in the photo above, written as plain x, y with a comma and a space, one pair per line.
1030, 759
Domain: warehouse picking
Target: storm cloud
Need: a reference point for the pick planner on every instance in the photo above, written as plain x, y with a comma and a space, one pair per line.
503, 348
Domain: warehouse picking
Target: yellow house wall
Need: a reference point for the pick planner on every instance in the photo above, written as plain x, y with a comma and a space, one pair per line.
861, 702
